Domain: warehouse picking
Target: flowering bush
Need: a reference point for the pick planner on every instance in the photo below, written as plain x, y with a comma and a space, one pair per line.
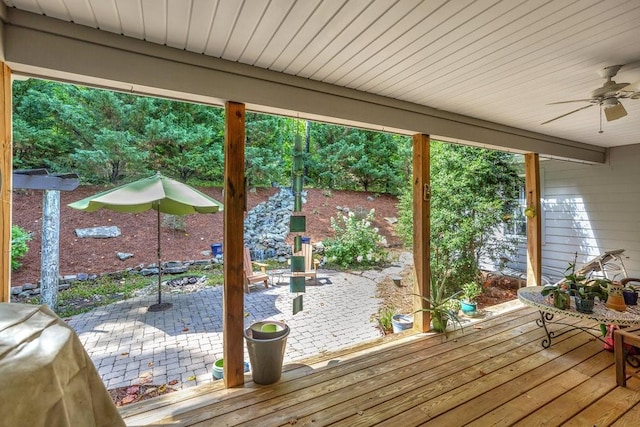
356, 242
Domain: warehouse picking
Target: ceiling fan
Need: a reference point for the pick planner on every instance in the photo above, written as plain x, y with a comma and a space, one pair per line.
607, 96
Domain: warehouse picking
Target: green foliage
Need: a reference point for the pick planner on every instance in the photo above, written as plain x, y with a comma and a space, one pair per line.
348, 158
385, 315
472, 191
471, 291
19, 247
442, 305
356, 241
268, 148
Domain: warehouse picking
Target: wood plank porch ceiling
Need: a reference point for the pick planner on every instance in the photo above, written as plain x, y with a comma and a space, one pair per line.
496, 373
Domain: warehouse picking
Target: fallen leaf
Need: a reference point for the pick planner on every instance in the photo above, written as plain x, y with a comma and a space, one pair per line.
192, 378
150, 364
134, 389
124, 354
145, 380
162, 388
246, 314
173, 382
150, 390
145, 374
185, 329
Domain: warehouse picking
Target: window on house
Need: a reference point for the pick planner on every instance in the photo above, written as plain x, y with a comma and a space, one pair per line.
516, 225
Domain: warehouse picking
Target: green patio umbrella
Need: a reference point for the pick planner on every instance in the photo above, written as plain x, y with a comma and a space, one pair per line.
159, 193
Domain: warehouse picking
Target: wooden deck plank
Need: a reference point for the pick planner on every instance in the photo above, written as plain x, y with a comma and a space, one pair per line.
570, 404
196, 406
341, 407
609, 408
426, 406
336, 378
383, 378
529, 392
496, 373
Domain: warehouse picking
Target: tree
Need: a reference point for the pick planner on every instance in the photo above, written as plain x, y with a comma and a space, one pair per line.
353, 158
473, 191
40, 140
185, 140
268, 148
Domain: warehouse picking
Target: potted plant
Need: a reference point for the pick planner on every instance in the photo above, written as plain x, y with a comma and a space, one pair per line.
470, 292
585, 294
559, 292
630, 292
442, 307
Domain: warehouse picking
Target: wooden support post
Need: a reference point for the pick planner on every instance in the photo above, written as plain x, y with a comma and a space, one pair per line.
534, 223
5, 182
421, 230
234, 204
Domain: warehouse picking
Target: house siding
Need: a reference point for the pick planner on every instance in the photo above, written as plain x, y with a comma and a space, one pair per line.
589, 209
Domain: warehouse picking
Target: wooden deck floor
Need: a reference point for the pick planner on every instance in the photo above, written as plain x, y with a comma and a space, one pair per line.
496, 373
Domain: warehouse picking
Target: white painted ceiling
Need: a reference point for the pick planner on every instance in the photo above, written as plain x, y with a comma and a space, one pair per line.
497, 60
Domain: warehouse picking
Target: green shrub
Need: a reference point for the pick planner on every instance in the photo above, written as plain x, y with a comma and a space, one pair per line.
19, 248
385, 316
356, 241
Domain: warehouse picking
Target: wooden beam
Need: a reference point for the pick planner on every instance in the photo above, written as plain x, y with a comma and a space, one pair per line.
421, 230
233, 235
5, 182
534, 223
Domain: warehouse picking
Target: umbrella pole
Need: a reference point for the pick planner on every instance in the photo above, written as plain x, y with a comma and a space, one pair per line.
160, 306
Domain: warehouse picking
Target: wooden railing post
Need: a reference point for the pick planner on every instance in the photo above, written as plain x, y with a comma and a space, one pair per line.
421, 229
534, 223
5, 183
233, 235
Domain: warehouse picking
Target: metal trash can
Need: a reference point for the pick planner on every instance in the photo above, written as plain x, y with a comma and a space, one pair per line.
266, 348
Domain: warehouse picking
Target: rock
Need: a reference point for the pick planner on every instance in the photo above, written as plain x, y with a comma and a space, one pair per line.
123, 255
175, 270
149, 271
391, 220
103, 232
82, 276
16, 290
369, 198
64, 286
29, 286
406, 258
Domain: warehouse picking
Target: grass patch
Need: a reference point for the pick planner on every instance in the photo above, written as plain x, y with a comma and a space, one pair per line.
86, 295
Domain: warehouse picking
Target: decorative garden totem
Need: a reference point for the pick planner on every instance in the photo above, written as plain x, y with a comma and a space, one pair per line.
297, 225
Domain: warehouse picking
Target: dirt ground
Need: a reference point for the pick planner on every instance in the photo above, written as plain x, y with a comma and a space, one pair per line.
139, 231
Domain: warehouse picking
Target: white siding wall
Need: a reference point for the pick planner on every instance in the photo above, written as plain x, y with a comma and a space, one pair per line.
590, 209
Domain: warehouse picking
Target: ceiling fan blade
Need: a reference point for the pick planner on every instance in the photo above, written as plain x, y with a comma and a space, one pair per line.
566, 114
573, 100
616, 112
631, 91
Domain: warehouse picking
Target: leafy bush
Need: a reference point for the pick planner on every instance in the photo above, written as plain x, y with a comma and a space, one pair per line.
385, 316
356, 242
19, 248
472, 191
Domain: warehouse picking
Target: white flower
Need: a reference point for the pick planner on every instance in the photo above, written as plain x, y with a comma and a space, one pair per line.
369, 256
359, 258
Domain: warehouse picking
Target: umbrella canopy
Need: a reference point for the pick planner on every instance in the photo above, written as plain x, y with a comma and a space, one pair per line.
159, 193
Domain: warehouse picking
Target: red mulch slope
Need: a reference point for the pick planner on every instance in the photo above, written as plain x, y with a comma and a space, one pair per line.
139, 231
